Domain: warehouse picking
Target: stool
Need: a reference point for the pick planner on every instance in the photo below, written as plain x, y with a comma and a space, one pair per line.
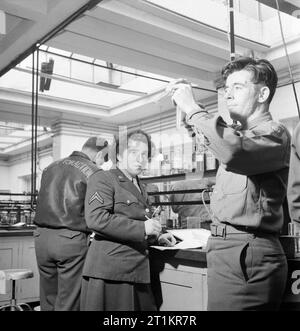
13, 275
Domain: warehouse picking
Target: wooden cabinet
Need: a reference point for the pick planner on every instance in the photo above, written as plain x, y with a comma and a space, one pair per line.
183, 287
28, 289
179, 279
9, 252
18, 252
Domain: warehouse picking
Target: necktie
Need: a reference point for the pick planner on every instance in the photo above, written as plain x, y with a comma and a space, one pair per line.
134, 180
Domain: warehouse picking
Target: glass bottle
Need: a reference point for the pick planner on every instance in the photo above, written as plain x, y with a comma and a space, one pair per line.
12, 217
4, 217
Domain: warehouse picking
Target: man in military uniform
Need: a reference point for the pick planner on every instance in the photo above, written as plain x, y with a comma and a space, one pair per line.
247, 268
61, 236
116, 273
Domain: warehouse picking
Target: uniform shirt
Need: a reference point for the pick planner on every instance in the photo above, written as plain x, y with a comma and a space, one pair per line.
252, 178
294, 177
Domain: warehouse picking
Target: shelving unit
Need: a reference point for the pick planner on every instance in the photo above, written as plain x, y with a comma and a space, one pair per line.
16, 211
184, 198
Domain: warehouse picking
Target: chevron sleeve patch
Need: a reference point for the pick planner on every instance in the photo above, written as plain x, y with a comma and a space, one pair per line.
96, 197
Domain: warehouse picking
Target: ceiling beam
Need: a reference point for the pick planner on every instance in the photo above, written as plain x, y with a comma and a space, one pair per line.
29, 9
208, 20
42, 30
144, 43
284, 6
131, 58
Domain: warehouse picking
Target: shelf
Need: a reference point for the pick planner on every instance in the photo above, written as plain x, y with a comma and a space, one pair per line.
200, 190
175, 177
179, 203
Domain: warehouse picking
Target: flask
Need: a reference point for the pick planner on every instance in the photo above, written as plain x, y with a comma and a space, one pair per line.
4, 217
12, 217
210, 161
22, 216
27, 216
32, 216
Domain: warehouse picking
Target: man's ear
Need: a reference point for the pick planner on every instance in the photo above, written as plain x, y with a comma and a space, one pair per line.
263, 94
98, 156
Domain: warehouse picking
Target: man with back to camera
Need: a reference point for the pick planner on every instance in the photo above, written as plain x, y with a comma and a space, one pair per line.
247, 268
62, 236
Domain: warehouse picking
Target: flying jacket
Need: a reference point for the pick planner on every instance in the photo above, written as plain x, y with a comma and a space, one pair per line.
60, 202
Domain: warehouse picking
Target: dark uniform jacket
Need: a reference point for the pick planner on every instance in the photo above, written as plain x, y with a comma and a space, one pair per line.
115, 211
60, 201
294, 177
251, 181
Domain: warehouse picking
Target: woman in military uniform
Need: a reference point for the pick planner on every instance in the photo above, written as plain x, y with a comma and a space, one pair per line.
116, 273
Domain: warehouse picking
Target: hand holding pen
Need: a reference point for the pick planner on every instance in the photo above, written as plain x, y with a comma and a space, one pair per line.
164, 239
152, 225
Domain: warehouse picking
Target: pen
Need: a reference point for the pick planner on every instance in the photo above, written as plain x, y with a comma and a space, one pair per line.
155, 210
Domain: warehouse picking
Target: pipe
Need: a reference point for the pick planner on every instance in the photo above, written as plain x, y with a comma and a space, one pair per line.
120, 70
32, 125
35, 122
231, 20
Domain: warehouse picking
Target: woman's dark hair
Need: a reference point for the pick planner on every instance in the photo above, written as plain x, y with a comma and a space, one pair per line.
262, 72
138, 135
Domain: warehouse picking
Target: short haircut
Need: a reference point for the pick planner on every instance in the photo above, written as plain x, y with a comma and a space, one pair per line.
262, 72
95, 144
137, 135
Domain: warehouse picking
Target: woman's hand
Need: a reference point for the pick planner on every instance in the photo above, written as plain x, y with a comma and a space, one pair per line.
166, 239
152, 227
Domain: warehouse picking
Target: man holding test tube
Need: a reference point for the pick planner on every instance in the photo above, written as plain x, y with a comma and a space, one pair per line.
247, 267
116, 273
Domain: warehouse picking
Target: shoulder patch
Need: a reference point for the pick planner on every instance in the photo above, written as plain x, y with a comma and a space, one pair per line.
277, 130
96, 197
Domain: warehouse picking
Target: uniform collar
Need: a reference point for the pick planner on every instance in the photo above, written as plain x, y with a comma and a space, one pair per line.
258, 120
125, 172
127, 184
121, 176
81, 154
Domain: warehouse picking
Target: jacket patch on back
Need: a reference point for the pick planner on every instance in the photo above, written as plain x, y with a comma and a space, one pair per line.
82, 167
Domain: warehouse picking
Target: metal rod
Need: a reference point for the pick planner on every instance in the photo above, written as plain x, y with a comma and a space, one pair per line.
84, 83
177, 191
36, 120
32, 123
14, 194
120, 70
179, 203
231, 19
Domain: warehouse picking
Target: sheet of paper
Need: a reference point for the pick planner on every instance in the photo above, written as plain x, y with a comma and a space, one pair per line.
191, 238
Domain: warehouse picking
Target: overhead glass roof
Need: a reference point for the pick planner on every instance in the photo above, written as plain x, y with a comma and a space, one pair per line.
83, 79
15, 134
76, 78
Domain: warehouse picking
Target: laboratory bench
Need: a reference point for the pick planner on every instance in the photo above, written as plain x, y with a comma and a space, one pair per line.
17, 252
179, 280
179, 277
